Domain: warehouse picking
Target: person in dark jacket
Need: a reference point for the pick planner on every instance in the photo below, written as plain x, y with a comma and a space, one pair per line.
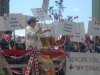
6, 43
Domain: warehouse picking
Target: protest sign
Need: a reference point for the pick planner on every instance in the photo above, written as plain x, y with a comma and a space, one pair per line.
40, 14
78, 32
16, 21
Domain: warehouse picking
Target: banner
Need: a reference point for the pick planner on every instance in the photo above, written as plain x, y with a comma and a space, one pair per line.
83, 64
93, 28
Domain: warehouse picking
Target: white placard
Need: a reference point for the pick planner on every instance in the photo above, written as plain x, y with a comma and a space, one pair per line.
65, 27
16, 21
75, 30
93, 29
68, 27
60, 28
78, 32
83, 64
13, 22
57, 29
40, 14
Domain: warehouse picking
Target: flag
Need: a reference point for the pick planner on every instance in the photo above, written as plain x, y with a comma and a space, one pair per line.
76, 17
33, 62
90, 17
70, 18
93, 18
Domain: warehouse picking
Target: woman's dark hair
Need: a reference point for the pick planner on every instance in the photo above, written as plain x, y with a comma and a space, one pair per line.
8, 32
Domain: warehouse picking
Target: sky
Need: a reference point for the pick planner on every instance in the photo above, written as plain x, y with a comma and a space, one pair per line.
81, 8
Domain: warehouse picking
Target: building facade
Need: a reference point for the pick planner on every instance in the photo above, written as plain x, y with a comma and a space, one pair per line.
4, 7
96, 9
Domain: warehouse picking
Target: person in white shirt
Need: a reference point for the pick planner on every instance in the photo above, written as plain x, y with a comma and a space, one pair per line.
32, 34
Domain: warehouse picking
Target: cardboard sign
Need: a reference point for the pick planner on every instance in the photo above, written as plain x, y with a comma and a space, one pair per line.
93, 28
40, 14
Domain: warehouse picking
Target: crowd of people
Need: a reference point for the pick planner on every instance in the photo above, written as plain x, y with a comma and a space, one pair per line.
33, 38
90, 44
8, 42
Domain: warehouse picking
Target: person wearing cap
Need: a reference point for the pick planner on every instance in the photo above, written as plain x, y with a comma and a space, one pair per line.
32, 34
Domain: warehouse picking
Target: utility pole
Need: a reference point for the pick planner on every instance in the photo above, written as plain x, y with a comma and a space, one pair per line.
96, 9
4, 7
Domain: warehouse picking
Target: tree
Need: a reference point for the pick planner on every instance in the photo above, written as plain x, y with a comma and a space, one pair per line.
57, 13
